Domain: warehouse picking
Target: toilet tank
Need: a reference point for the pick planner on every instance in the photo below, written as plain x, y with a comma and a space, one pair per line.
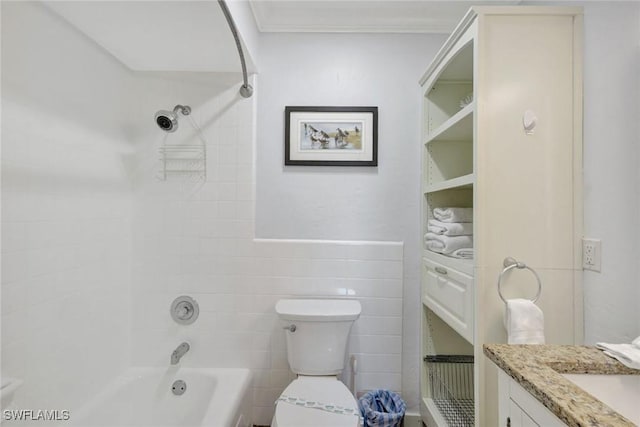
318, 346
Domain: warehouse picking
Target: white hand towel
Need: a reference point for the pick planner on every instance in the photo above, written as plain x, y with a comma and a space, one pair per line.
447, 244
524, 322
627, 354
463, 253
450, 228
453, 214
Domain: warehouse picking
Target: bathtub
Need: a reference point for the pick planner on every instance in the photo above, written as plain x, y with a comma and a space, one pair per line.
143, 397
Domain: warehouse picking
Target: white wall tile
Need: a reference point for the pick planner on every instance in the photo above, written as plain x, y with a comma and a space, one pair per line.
66, 210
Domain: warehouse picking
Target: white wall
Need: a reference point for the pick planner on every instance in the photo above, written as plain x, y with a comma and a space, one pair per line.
344, 203
66, 210
247, 31
611, 164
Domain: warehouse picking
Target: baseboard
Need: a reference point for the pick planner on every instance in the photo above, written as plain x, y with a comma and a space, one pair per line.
412, 420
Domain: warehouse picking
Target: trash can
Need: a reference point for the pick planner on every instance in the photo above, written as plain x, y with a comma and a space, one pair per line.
381, 408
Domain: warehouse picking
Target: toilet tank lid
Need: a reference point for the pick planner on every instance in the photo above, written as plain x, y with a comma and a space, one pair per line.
319, 310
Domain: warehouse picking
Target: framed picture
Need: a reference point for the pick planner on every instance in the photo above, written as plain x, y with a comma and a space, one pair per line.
331, 136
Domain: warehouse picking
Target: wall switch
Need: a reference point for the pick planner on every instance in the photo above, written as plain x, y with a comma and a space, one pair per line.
591, 254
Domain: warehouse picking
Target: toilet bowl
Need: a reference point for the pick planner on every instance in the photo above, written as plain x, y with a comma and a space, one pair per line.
317, 332
311, 410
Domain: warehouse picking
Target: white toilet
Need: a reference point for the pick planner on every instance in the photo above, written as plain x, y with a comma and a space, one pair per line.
317, 332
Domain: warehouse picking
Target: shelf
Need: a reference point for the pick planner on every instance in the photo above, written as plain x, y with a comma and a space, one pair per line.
465, 181
458, 127
188, 160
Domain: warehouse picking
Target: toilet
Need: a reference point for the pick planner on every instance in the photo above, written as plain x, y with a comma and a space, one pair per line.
317, 332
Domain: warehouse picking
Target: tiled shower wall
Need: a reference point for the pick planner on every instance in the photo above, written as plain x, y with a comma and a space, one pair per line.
196, 238
66, 211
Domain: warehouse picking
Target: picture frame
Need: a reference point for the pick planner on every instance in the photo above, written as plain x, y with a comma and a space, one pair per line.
331, 136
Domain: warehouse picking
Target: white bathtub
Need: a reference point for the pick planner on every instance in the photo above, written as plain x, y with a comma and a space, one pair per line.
143, 397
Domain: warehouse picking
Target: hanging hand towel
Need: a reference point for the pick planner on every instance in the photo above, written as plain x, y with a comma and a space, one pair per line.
627, 354
524, 322
450, 228
447, 244
453, 214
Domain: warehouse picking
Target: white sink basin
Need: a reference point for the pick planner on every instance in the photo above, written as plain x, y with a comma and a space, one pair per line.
619, 392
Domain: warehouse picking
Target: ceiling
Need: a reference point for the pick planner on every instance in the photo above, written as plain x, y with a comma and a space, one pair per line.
157, 35
390, 16
188, 35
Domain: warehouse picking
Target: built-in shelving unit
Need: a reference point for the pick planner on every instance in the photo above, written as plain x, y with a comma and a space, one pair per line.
459, 127
476, 154
465, 181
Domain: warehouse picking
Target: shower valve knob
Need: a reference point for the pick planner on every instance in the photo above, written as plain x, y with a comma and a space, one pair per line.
184, 310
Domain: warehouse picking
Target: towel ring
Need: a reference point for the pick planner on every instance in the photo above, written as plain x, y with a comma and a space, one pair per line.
509, 264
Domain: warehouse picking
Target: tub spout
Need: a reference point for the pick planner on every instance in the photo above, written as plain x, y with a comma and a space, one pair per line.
180, 351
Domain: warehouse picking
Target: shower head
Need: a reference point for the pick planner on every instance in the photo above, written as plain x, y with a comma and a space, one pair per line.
168, 120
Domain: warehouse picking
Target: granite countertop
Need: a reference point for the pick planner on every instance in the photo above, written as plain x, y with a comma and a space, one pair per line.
537, 369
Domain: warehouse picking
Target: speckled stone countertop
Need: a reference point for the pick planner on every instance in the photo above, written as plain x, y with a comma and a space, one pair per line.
537, 369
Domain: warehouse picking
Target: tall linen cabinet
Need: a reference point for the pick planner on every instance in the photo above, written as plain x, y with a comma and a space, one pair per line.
502, 133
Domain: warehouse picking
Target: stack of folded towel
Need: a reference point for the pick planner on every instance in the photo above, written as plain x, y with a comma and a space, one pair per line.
451, 232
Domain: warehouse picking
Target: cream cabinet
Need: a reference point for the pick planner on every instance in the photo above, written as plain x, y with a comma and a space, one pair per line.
502, 134
518, 408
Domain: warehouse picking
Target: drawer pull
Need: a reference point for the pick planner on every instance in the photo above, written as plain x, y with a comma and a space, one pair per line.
441, 270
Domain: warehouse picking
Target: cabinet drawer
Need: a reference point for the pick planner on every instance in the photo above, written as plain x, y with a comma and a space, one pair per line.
449, 294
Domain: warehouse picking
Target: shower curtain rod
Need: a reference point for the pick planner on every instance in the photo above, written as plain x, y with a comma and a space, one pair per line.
245, 90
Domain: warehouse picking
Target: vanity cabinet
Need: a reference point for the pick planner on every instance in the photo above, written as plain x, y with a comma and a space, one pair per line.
502, 134
518, 408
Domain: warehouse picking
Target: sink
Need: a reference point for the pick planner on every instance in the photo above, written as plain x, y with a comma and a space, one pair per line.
619, 392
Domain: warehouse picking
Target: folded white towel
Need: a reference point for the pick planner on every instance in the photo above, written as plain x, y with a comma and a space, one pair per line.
447, 244
453, 214
627, 354
450, 228
524, 322
464, 253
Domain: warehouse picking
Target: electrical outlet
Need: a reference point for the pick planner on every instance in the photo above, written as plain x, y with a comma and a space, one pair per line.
591, 254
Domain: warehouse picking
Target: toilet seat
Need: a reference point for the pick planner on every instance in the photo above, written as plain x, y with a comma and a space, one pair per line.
327, 390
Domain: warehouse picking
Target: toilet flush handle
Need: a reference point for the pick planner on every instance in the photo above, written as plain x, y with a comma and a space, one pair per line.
290, 328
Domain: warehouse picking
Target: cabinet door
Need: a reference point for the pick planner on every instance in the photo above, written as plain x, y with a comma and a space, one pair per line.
518, 417
515, 415
527, 421
522, 408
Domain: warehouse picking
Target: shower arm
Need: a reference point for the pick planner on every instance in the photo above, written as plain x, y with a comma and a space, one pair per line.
184, 109
245, 90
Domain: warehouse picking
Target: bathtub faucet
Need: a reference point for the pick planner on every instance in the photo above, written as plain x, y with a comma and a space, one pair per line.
180, 351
